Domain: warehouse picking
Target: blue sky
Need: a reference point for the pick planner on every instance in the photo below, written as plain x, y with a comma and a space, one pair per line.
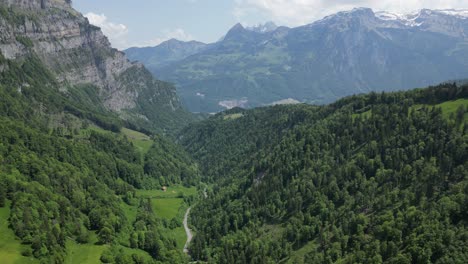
150, 21
130, 23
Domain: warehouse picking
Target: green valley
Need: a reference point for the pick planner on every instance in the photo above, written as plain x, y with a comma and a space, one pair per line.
100, 162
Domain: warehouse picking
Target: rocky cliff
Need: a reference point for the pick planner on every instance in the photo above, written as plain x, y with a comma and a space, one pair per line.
79, 54
37, 4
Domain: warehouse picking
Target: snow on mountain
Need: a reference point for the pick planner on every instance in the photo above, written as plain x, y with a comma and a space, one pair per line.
411, 19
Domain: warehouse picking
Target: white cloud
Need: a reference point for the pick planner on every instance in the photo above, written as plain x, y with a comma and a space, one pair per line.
167, 34
117, 33
299, 12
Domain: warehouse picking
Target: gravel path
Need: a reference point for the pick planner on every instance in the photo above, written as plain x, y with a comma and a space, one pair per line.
187, 230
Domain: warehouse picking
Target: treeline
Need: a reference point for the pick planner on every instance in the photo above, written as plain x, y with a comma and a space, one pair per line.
167, 163
378, 178
70, 186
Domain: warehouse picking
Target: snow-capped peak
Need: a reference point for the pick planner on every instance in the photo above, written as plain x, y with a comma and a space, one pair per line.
463, 13
408, 19
263, 28
412, 19
384, 15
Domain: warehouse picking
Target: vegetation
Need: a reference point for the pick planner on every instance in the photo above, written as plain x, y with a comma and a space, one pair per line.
69, 177
368, 179
11, 249
141, 141
84, 253
377, 178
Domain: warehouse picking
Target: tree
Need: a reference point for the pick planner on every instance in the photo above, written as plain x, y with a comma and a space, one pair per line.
2, 196
105, 235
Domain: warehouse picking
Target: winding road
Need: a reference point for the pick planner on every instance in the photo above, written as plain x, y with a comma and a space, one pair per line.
187, 230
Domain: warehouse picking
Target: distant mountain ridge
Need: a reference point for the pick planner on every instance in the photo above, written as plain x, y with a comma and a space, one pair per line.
264, 28
346, 53
165, 53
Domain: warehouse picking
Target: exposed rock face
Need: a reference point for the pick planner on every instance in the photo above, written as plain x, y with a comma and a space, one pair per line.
79, 53
37, 4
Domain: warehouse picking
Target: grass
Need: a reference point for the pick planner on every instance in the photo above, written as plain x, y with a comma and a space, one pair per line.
448, 108
298, 256
233, 116
451, 107
172, 192
365, 115
180, 236
10, 246
129, 211
167, 207
141, 141
84, 253
138, 252
93, 128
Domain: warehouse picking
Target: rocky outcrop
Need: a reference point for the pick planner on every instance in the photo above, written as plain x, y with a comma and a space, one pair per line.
37, 4
78, 53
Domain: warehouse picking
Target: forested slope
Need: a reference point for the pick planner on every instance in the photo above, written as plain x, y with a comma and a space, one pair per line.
68, 174
378, 178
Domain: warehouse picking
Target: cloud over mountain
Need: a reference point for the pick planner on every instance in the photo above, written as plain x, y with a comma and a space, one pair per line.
299, 12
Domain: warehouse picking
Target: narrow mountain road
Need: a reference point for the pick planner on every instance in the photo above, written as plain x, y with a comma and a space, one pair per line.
187, 230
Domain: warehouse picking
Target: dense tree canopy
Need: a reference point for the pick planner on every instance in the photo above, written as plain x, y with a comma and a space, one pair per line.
369, 179
66, 180
378, 178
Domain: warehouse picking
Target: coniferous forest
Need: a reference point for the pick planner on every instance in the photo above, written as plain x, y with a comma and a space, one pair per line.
378, 178
68, 176
118, 171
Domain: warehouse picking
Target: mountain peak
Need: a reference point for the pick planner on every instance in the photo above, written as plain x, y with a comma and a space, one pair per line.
236, 31
360, 11
171, 42
237, 27
263, 28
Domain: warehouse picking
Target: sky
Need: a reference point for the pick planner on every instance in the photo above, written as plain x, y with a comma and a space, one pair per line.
141, 23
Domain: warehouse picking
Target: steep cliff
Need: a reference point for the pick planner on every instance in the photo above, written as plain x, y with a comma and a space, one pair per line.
79, 54
37, 4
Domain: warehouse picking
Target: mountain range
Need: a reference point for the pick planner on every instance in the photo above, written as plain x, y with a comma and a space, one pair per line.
100, 162
78, 55
342, 54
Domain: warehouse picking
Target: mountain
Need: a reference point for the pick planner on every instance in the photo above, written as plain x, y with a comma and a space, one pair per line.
88, 176
165, 53
263, 28
79, 55
75, 167
376, 178
343, 54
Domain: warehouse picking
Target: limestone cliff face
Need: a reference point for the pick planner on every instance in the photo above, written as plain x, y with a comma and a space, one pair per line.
79, 53
37, 4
